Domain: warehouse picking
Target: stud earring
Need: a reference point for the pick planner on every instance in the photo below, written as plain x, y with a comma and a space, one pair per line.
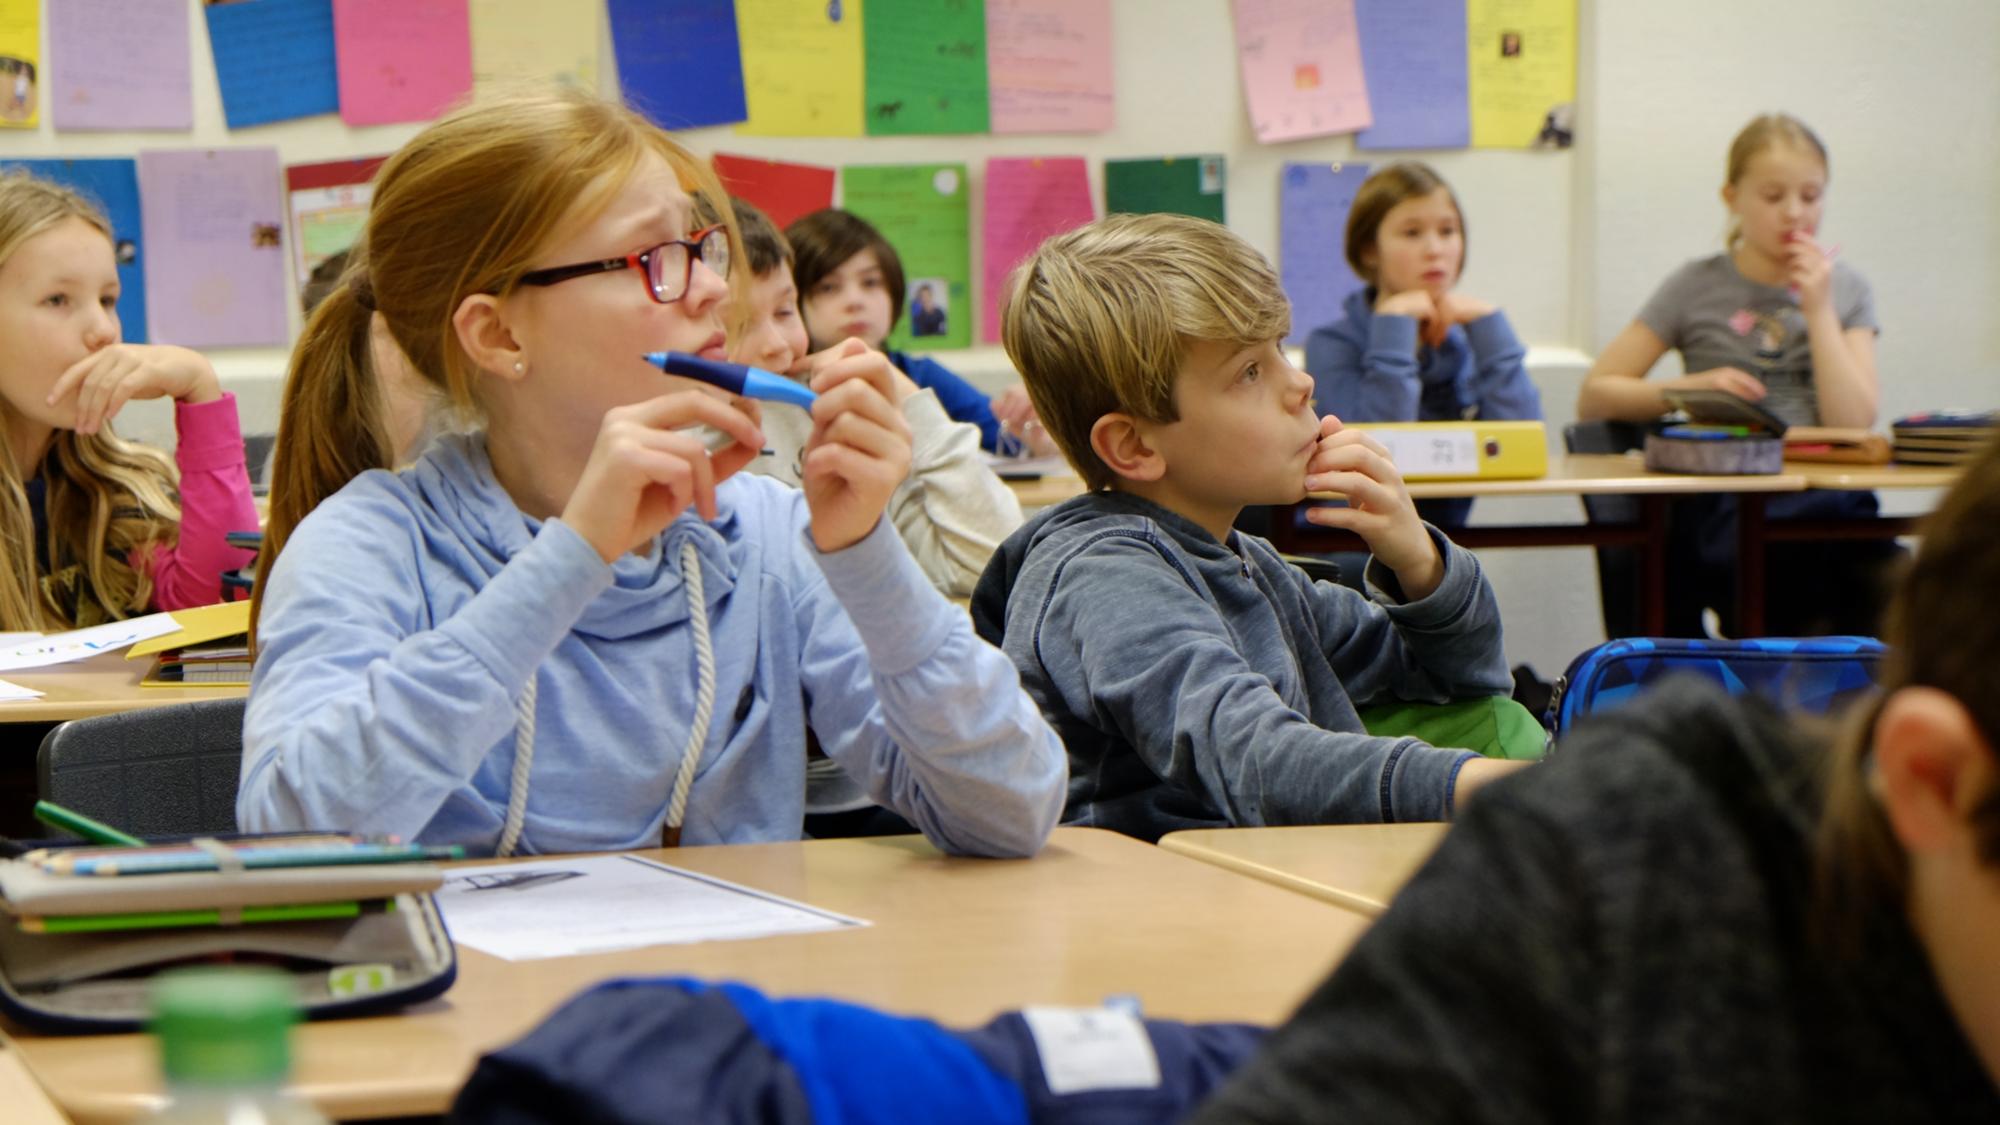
520, 368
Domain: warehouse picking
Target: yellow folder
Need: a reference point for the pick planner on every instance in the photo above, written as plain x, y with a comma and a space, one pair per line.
1464, 450
197, 626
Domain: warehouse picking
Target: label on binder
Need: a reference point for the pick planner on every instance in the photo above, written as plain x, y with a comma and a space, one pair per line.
1431, 452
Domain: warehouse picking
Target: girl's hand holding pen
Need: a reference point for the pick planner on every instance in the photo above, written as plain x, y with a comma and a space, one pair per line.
646, 468
859, 451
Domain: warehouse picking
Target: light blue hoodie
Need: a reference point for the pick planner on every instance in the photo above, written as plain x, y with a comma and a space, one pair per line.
402, 624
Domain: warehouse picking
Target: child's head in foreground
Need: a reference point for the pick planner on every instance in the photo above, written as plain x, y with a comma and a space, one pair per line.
1914, 816
1150, 345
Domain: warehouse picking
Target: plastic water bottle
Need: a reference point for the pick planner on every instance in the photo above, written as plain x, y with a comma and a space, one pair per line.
225, 1047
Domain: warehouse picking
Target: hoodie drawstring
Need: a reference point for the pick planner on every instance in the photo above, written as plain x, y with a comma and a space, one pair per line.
704, 706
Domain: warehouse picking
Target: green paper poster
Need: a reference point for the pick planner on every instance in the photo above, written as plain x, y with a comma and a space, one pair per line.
926, 67
923, 210
1188, 185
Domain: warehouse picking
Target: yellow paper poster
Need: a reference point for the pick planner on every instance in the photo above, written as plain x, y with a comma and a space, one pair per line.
20, 63
801, 67
528, 40
1522, 72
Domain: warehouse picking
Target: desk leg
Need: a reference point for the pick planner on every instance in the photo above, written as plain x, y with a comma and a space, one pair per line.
1750, 564
1653, 566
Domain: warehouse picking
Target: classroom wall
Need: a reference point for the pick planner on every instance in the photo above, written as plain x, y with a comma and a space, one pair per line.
1571, 243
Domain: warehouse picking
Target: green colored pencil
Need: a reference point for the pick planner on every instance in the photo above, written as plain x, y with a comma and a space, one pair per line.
97, 832
166, 919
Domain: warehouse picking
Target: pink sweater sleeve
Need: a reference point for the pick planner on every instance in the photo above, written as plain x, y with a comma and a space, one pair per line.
215, 500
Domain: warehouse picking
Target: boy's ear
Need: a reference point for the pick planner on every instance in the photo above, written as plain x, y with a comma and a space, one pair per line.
1729, 196
1370, 258
481, 325
1932, 767
1120, 442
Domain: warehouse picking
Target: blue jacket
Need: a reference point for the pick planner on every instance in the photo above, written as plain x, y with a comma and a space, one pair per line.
1366, 367
409, 611
676, 1049
962, 401
1204, 685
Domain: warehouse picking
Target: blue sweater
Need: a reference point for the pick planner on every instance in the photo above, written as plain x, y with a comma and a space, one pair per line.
409, 611
962, 401
1366, 367
1204, 685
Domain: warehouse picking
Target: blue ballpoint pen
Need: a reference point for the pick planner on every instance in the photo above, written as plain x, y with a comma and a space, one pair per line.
736, 378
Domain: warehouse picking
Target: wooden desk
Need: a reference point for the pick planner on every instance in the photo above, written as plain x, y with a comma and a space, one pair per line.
1096, 914
1576, 474
101, 685
25, 1101
1870, 478
1040, 492
1605, 474
1357, 866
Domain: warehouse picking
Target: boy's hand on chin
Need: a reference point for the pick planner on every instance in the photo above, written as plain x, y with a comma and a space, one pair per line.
1379, 508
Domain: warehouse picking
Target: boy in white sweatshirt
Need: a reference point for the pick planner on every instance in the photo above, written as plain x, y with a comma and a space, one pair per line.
952, 511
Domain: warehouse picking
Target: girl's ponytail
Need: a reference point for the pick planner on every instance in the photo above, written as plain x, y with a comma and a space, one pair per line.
331, 427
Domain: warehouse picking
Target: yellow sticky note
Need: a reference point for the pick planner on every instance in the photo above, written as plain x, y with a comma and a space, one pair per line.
20, 63
801, 67
1521, 72
517, 41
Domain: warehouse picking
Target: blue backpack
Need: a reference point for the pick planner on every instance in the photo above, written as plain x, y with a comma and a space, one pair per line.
1818, 675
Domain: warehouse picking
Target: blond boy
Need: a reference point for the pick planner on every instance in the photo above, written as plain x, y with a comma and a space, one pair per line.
1196, 677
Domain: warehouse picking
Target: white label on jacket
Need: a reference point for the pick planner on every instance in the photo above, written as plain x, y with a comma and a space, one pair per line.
1092, 1049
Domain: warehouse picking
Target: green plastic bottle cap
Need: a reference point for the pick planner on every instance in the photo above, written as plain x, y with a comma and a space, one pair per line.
224, 1026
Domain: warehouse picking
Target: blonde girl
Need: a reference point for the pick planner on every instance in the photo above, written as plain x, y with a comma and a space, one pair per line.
96, 528
573, 627
1776, 320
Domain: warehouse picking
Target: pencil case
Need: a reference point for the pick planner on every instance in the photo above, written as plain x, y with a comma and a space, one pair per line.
1814, 675
77, 953
1692, 449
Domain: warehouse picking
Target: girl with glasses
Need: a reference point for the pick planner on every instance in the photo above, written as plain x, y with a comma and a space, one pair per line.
574, 627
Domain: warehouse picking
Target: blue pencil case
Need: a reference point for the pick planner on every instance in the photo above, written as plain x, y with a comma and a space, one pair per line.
1817, 675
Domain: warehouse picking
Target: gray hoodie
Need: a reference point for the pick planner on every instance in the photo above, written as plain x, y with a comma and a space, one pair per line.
1202, 685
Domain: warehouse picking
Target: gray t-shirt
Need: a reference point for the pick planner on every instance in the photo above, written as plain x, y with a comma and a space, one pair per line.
1717, 317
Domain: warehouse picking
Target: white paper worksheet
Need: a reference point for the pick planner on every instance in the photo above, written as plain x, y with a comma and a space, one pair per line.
597, 904
30, 651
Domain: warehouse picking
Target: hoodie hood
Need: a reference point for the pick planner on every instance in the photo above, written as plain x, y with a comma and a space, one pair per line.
481, 527
1077, 517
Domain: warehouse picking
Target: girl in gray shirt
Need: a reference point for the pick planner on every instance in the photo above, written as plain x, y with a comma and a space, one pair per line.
1774, 319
